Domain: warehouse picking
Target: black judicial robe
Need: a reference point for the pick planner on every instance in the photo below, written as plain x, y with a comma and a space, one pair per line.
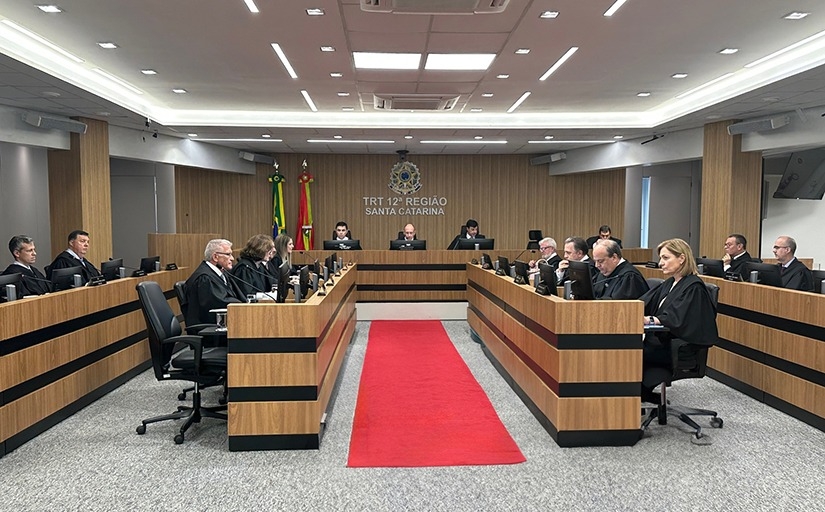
33, 283
463, 236
797, 277
593, 239
737, 266
206, 290
255, 279
66, 260
553, 261
687, 310
625, 282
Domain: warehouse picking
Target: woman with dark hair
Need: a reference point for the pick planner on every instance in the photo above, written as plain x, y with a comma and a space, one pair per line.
250, 271
681, 303
280, 266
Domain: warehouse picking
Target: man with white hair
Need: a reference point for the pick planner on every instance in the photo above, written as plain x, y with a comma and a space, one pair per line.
208, 288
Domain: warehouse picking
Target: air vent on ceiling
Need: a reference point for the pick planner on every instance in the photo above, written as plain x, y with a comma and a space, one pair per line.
414, 102
435, 6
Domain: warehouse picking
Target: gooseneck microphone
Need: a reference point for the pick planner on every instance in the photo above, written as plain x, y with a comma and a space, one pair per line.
257, 289
38, 279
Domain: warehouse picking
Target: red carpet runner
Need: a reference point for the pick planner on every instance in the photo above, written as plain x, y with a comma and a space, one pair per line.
419, 405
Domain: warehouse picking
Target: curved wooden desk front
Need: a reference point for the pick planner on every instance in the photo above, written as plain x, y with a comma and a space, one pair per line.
576, 364
61, 351
283, 364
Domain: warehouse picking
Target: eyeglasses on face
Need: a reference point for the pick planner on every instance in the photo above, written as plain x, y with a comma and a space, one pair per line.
224, 253
777, 247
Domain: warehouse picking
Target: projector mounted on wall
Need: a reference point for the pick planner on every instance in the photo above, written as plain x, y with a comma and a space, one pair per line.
51, 122
758, 125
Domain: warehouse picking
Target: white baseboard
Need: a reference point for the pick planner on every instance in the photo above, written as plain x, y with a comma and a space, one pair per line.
411, 311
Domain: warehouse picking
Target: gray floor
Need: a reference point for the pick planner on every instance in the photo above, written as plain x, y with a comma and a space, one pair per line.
761, 460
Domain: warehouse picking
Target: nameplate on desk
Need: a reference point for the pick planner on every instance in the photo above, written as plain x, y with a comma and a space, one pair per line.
138, 273
96, 281
171, 266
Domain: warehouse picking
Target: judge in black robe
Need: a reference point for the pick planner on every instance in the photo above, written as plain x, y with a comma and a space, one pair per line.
66, 259
625, 282
252, 277
796, 276
469, 231
207, 288
737, 265
33, 281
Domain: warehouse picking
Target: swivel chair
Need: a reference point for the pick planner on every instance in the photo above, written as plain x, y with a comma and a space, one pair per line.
201, 366
180, 293
401, 236
819, 276
534, 237
653, 282
689, 361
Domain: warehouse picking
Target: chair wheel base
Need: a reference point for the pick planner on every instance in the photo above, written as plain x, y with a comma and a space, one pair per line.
179, 439
716, 422
141, 429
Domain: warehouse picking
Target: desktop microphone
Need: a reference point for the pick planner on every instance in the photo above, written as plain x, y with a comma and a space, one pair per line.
40, 279
136, 272
238, 279
521, 253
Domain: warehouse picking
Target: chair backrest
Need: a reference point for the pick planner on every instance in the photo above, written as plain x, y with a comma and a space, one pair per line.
534, 235
161, 324
335, 235
713, 291
819, 276
180, 293
401, 236
532, 244
653, 282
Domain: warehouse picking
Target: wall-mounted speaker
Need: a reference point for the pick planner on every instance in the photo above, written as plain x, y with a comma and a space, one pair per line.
258, 159
758, 125
51, 122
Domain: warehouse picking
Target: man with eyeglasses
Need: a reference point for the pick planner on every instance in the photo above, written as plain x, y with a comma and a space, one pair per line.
736, 255
795, 275
208, 287
547, 247
617, 278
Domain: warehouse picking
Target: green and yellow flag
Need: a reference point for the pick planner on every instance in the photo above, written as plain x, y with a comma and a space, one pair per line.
278, 215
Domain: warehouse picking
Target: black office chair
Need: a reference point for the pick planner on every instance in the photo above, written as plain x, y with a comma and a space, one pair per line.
180, 293
689, 361
819, 276
653, 282
401, 236
201, 366
534, 236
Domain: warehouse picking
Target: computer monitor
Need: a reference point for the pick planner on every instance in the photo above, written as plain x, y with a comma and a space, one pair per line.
819, 276
303, 281
63, 278
582, 280
283, 281
711, 267
547, 278
523, 271
329, 262
469, 244
17, 281
342, 245
768, 273
503, 266
110, 270
408, 245
486, 262
148, 264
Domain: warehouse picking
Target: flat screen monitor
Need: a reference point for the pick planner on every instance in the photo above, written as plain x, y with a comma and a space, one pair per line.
110, 270
582, 280
503, 266
408, 245
819, 276
768, 273
16, 280
486, 262
329, 262
63, 278
283, 281
469, 244
711, 267
303, 281
148, 264
523, 271
342, 245
547, 276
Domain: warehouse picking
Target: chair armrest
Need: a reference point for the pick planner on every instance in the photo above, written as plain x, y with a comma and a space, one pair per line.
196, 328
193, 342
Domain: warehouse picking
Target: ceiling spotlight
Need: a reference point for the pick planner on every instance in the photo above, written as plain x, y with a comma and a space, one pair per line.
410, 136
191, 134
107, 45
522, 51
643, 94
266, 135
315, 12
179, 91
728, 51
327, 48
52, 9
503, 76
549, 15
679, 75
486, 95
335, 74
148, 71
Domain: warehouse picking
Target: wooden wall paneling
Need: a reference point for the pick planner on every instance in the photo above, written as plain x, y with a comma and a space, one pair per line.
580, 203
183, 249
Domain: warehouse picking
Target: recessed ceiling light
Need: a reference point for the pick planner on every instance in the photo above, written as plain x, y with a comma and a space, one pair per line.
728, 51
679, 75
191, 134
375, 60
51, 94
545, 141
796, 15
643, 94
463, 141
250, 4
336, 74
347, 109
549, 15
350, 141
459, 61
522, 51
569, 53
337, 136
478, 137
408, 137
315, 12
503, 77
40, 40
327, 48
50, 8
284, 60
343, 94
107, 45
238, 140
519, 101
613, 8
548, 137
148, 71
178, 90
308, 99
617, 137
486, 95
475, 109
